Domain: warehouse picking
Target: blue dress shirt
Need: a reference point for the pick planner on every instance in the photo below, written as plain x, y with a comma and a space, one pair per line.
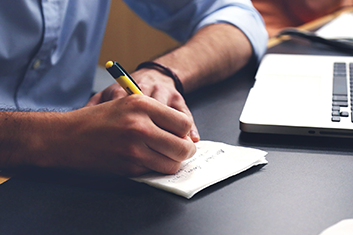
49, 49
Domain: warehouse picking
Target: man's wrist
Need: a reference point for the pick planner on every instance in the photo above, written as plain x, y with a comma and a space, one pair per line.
164, 70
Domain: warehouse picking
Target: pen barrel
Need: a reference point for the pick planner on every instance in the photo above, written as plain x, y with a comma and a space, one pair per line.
128, 86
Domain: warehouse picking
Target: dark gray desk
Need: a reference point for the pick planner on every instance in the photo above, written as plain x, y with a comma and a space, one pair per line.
305, 188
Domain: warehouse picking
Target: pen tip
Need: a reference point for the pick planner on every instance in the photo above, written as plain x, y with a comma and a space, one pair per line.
109, 64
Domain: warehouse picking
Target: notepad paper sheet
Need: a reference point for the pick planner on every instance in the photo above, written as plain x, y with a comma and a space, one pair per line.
339, 28
212, 163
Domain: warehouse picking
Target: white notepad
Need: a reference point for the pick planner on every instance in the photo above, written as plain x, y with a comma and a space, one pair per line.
338, 28
212, 162
344, 227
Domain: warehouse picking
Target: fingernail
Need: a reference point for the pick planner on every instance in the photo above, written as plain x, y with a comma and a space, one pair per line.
194, 135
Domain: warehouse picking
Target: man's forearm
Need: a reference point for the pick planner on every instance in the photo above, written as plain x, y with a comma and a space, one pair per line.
22, 137
13, 136
128, 136
214, 53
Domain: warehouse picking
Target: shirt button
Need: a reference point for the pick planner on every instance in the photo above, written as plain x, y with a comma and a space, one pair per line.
36, 64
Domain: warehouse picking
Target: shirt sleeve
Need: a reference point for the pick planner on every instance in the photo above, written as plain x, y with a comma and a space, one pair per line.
182, 18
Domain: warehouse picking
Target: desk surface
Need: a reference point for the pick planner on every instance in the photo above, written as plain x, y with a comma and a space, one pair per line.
305, 188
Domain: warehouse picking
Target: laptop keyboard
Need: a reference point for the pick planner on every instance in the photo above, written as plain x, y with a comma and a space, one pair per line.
340, 95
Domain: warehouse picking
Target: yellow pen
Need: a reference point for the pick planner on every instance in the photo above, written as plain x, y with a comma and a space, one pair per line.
123, 78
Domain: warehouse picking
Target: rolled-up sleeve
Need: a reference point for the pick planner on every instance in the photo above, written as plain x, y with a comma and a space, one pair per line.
182, 18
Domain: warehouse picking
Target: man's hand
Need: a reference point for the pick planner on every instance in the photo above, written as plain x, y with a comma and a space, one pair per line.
129, 136
214, 53
155, 85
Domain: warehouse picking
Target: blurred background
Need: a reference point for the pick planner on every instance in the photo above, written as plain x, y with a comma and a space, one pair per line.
130, 41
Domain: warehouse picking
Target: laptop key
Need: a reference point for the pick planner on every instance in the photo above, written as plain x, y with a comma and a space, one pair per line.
340, 98
340, 73
339, 86
335, 108
339, 79
335, 113
339, 64
344, 114
341, 104
336, 119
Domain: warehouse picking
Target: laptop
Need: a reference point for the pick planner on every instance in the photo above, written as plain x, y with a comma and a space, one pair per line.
301, 95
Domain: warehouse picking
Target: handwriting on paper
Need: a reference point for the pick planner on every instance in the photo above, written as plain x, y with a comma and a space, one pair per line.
195, 163
212, 162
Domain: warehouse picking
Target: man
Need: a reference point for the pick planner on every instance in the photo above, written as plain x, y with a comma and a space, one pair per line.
48, 54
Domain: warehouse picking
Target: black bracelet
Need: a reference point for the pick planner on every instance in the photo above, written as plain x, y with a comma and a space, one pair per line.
165, 70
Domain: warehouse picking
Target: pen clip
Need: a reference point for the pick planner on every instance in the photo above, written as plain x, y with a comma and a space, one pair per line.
122, 70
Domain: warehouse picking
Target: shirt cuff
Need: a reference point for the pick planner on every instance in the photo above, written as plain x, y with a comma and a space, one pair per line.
249, 21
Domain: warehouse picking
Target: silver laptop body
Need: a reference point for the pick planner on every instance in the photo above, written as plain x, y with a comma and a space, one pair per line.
301, 95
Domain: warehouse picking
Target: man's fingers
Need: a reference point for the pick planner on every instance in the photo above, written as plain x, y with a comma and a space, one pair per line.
113, 92
178, 103
96, 99
194, 134
164, 134
156, 161
171, 146
171, 120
